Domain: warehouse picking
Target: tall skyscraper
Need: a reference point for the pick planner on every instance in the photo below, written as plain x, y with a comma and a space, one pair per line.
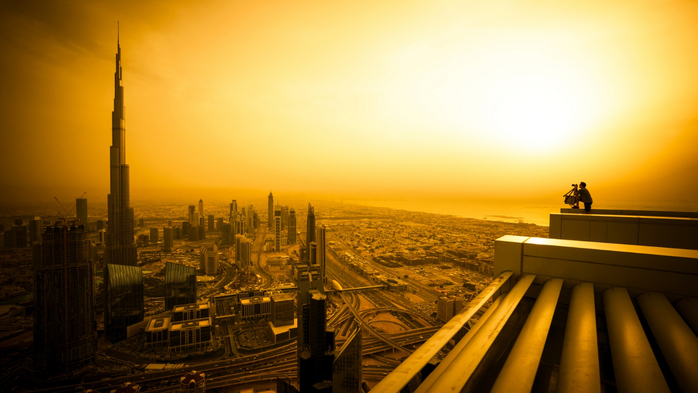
310, 229
65, 335
192, 211
320, 250
120, 247
211, 223
201, 208
233, 209
292, 226
168, 239
270, 216
249, 219
277, 228
81, 210
316, 356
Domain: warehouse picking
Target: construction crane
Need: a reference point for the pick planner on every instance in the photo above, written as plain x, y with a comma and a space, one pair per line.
62, 212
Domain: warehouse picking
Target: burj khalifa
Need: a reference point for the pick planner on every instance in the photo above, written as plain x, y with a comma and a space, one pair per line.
120, 248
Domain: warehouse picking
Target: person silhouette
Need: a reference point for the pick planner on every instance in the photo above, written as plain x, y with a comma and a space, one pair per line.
585, 196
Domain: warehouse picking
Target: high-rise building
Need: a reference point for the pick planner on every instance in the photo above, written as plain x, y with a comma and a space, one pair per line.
238, 241
201, 208
316, 356
219, 224
192, 210
123, 300
312, 255
211, 223
180, 285
310, 226
65, 335
209, 260
270, 216
233, 210
35, 229
226, 230
277, 228
81, 211
120, 247
292, 226
245, 252
168, 239
193, 233
249, 219
284, 217
320, 250
347, 376
154, 236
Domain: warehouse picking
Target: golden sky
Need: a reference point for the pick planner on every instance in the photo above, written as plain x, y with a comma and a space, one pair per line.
361, 99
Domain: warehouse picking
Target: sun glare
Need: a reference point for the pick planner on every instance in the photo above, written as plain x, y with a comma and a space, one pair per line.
532, 115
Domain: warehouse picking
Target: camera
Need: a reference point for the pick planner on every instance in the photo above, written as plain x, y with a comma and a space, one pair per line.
574, 185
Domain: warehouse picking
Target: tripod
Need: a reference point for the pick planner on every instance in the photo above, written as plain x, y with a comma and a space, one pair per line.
572, 197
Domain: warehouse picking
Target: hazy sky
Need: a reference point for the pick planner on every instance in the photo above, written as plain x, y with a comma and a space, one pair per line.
361, 99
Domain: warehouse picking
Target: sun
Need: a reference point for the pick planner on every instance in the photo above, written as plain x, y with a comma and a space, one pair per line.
532, 114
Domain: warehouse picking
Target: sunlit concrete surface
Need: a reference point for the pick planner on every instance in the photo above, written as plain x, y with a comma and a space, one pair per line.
676, 232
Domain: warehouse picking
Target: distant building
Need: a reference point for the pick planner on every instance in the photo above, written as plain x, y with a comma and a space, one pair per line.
320, 250
245, 253
180, 285
35, 229
282, 309
226, 230
219, 224
193, 233
81, 210
157, 333
277, 229
209, 260
346, 375
201, 208
197, 333
284, 217
292, 226
447, 307
168, 239
255, 307
123, 299
100, 225
193, 382
154, 236
233, 210
310, 226
186, 312
192, 211
16, 237
270, 216
211, 223
65, 335
202, 232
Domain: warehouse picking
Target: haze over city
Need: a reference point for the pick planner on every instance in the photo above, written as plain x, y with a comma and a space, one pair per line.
416, 102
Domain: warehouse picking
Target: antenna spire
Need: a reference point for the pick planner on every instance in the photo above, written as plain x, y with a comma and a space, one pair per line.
117, 32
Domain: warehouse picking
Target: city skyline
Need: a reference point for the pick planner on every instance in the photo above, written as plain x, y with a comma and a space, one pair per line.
390, 111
